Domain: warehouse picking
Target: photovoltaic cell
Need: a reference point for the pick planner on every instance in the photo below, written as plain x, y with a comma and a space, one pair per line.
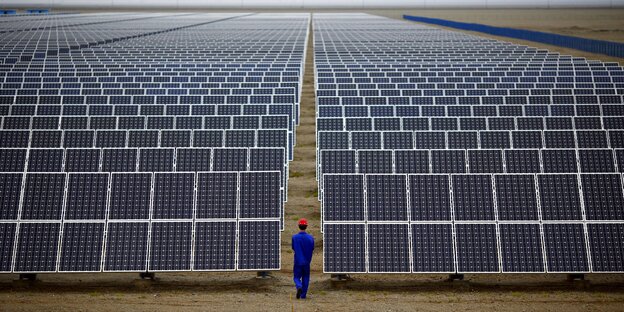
82, 160
230, 159
411, 161
12, 160
193, 159
338, 161
37, 247
374, 161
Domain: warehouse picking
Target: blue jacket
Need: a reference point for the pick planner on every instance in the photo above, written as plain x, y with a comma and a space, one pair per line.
303, 245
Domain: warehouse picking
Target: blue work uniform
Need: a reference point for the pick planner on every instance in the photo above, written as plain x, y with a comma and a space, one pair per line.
303, 245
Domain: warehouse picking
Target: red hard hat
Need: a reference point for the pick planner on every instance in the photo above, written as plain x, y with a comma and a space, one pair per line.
303, 221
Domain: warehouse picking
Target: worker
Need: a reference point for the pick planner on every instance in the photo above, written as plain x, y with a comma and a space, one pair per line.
303, 246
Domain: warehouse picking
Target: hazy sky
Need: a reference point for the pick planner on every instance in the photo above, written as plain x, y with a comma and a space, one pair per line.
311, 3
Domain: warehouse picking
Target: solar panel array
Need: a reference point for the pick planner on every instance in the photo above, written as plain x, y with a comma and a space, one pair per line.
146, 142
444, 152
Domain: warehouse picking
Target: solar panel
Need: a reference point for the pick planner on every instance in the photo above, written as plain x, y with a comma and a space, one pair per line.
566, 249
10, 191
388, 248
516, 197
605, 244
477, 249
87, 195
217, 195
82, 160
373, 161
559, 197
173, 195
602, 196
37, 247
81, 247
260, 195
521, 248
430, 198
170, 246
344, 247
411, 161
432, 248
43, 196
215, 246
7, 240
343, 197
473, 197
130, 196
12, 160
126, 246
386, 198
156, 159
259, 245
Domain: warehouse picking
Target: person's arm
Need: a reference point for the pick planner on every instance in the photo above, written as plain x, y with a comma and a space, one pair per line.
292, 243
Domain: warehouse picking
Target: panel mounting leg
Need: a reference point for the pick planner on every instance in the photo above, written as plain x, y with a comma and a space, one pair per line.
339, 277
263, 275
147, 275
28, 277
456, 277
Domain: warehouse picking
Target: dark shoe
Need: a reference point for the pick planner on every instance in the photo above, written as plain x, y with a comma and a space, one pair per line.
298, 293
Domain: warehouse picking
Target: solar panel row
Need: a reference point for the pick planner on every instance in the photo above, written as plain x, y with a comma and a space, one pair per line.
444, 152
147, 142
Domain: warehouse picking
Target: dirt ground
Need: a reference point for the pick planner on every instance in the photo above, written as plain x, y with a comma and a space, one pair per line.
241, 291
601, 24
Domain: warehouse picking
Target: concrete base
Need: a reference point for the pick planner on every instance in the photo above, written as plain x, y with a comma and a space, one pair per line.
263, 275
455, 277
578, 281
147, 275
339, 281
143, 284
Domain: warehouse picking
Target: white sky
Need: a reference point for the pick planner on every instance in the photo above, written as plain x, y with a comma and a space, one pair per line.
311, 3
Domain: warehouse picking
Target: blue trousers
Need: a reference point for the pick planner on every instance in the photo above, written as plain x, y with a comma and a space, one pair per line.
302, 278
